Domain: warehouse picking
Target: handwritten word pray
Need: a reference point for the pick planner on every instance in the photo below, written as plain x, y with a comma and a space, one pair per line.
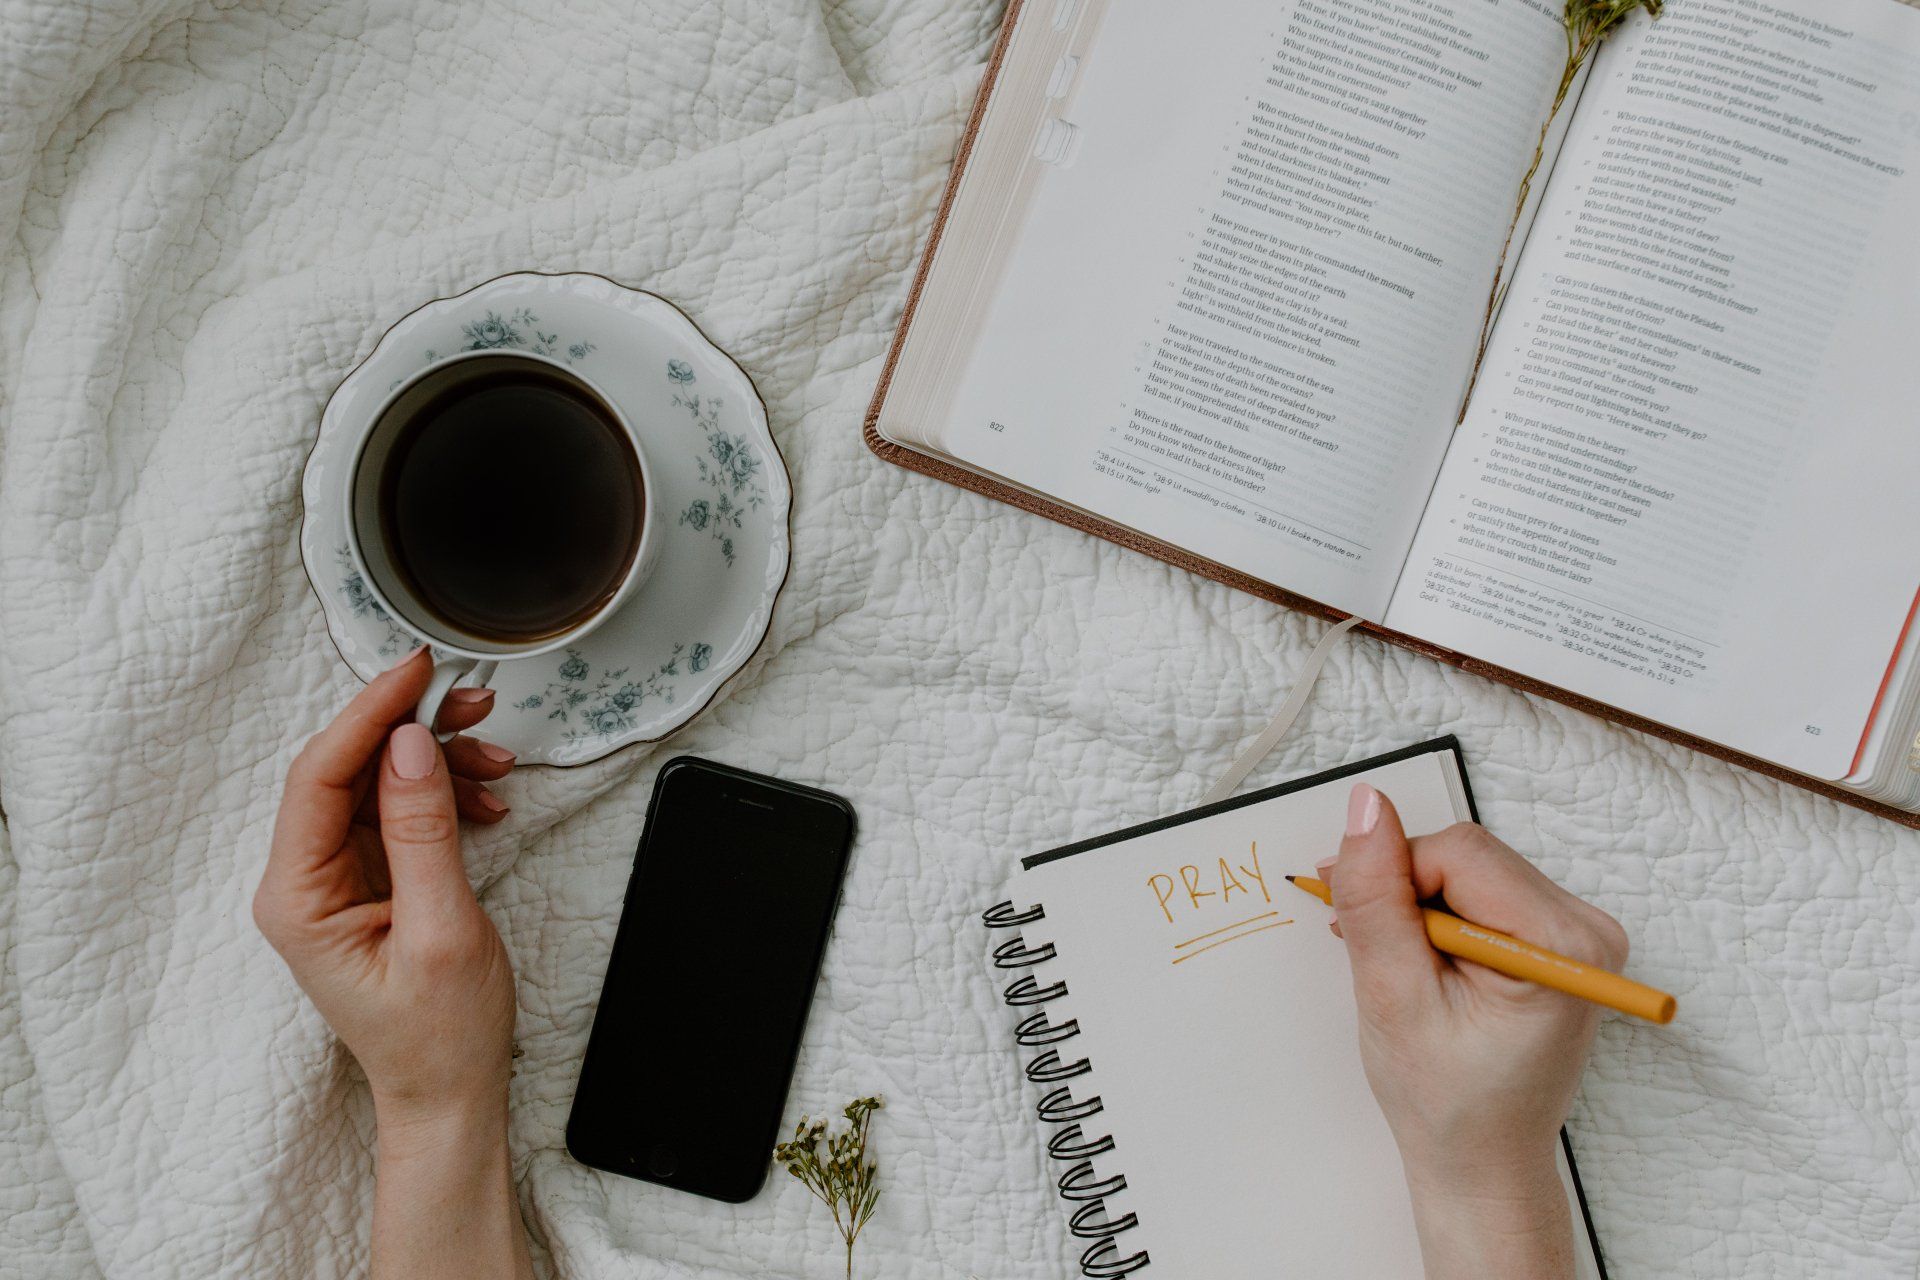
1185, 893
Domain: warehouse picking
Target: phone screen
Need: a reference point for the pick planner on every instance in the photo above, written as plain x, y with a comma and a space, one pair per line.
711, 976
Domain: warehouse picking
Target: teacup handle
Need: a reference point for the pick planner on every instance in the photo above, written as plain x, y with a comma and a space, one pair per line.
447, 672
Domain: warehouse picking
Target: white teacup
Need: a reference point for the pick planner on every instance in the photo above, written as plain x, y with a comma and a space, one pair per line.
463, 650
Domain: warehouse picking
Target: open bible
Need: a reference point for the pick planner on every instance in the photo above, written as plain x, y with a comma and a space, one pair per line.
1210, 278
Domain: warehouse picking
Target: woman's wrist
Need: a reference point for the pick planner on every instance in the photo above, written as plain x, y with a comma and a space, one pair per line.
1511, 1221
444, 1205
411, 1128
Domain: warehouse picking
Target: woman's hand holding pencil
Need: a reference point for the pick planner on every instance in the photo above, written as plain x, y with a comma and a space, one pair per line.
1503, 953
1474, 1070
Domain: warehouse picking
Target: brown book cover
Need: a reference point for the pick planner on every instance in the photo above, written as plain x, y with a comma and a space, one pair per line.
913, 460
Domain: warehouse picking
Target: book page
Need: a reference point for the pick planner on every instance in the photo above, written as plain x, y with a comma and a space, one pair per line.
1686, 484
1241, 310
1216, 1012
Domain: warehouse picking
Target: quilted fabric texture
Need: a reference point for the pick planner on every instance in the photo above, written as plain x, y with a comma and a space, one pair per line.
209, 209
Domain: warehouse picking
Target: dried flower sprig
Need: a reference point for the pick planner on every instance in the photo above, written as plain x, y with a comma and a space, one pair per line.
840, 1173
1587, 23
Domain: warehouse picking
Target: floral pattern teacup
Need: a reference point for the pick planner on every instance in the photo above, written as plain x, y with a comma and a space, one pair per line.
461, 653
721, 498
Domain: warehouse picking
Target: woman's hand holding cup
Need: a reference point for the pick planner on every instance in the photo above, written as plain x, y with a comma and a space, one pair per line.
366, 896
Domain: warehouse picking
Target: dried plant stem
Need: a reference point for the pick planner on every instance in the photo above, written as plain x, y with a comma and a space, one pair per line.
1576, 55
1586, 24
837, 1169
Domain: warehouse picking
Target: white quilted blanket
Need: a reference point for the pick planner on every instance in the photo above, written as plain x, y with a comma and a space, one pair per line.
209, 209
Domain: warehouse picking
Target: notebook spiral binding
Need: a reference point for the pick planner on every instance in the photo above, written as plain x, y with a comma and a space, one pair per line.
1081, 1185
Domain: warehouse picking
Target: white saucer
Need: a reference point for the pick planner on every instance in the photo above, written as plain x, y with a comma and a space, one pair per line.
724, 497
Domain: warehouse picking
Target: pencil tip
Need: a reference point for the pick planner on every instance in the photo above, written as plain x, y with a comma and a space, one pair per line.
1292, 879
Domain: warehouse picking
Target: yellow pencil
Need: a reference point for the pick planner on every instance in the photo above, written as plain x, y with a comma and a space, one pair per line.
1523, 960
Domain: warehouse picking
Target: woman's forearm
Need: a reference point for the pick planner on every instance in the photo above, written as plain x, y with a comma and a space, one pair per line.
443, 1201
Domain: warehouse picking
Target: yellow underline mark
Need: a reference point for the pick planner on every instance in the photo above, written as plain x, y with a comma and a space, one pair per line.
1235, 938
1265, 915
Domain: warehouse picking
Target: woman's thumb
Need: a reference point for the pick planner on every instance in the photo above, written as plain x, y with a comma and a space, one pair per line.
420, 826
1373, 893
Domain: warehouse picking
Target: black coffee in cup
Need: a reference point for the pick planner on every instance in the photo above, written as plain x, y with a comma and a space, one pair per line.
511, 502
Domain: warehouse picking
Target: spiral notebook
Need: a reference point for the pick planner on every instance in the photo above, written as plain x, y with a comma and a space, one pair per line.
1191, 1031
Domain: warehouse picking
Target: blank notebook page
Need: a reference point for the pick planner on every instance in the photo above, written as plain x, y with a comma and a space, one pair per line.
1217, 1012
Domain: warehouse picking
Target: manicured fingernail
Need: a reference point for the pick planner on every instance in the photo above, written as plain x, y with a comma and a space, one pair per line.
492, 803
1334, 929
412, 750
1324, 863
499, 755
417, 651
1363, 809
470, 696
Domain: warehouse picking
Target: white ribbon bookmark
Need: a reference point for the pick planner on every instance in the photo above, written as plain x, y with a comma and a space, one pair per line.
1283, 719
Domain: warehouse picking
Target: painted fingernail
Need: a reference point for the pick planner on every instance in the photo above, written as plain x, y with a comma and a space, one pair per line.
499, 755
412, 750
492, 803
1324, 863
470, 696
1334, 929
1363, 809
416, 652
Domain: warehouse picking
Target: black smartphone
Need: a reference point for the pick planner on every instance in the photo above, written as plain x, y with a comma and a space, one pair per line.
713, 969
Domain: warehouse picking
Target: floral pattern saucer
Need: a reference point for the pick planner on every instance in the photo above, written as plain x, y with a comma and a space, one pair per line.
723, 491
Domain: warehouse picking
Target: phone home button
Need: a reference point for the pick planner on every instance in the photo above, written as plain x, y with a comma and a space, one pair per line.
661, 1161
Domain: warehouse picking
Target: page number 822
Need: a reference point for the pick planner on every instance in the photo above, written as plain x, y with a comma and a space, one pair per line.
1813, 730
